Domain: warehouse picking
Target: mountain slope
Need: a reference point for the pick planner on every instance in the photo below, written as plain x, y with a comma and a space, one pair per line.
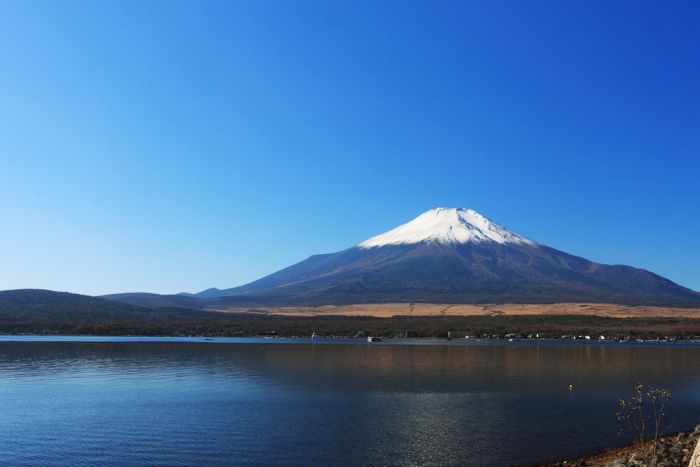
452, 255
152, 300
50, 306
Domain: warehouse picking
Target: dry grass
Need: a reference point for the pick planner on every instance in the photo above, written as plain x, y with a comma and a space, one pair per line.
388, 310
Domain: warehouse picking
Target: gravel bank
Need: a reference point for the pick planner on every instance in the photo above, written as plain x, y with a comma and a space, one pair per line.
672, 451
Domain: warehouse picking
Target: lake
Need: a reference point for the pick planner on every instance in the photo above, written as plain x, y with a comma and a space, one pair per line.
150, 401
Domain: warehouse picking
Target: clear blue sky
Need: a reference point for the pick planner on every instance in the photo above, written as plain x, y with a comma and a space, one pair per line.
174, 146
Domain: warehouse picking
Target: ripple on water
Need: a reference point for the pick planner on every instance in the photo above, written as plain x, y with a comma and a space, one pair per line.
141, 403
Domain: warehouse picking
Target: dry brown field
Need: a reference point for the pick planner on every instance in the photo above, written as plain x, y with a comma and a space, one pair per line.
388, 310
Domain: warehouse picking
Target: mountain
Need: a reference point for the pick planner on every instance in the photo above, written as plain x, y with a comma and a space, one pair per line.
38, 305
451, 255
153, 300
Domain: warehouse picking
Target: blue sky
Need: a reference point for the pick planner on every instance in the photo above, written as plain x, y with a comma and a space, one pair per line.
175, 146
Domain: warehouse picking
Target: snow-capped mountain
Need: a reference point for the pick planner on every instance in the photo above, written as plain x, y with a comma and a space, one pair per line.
452, 255
448, 226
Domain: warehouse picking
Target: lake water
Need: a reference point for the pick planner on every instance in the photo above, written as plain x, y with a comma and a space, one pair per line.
98, 401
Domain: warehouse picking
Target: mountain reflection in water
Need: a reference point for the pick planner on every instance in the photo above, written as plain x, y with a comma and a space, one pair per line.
191, 403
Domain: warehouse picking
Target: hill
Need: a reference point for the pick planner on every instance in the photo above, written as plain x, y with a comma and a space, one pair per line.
37, 305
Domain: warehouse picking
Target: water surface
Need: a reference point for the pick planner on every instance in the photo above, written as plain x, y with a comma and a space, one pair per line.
146, 401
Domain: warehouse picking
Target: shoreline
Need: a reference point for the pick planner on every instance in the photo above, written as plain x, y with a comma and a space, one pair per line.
671, 453
260, 339
45, 312
530, 327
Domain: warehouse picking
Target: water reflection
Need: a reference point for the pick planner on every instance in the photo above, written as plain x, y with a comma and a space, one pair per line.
186, 403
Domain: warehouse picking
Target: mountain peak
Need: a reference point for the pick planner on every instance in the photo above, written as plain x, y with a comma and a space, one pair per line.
447, 226
455, 256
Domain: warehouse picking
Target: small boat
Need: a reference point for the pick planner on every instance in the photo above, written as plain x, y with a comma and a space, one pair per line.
316, 337
374, 339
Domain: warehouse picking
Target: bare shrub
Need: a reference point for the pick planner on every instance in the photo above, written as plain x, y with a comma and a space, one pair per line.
643, 415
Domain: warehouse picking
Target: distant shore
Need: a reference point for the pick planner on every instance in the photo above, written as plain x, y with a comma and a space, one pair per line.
43, 312
19, 338
588, 328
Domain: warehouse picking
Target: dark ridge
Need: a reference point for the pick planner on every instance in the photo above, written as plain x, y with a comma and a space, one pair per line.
37, 305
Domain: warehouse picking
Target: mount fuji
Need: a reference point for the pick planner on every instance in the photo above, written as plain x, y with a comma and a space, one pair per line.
451, 255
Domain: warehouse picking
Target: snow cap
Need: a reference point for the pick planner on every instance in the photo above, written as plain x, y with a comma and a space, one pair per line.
447, 226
